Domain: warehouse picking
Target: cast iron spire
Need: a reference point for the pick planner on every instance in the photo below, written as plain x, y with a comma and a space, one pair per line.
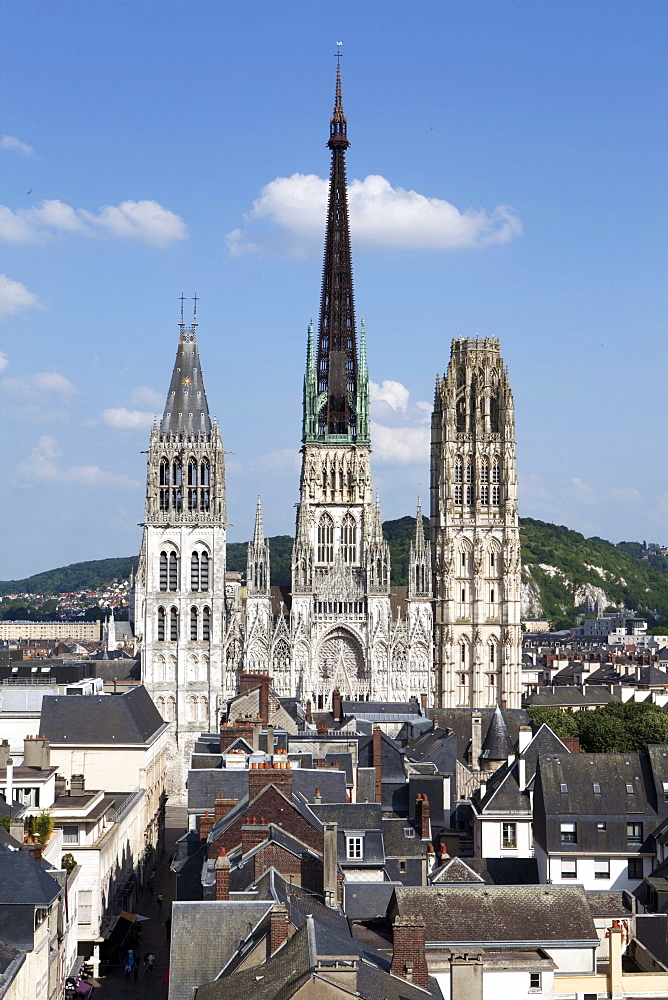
337, 347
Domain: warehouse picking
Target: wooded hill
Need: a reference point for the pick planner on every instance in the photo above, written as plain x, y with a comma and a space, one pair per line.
561, 568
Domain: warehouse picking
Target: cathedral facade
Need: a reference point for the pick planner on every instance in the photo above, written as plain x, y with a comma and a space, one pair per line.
342, 627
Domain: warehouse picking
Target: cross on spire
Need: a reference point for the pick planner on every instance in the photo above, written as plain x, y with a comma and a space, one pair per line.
195, 300
183, 299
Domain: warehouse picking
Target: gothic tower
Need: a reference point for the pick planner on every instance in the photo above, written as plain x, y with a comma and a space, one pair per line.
340, 614
474, 531
258, 624
179, 590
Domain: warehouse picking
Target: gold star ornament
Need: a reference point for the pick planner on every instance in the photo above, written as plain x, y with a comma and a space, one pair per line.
186, 381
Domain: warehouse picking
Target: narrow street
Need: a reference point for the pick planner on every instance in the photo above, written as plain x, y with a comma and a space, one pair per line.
149, 985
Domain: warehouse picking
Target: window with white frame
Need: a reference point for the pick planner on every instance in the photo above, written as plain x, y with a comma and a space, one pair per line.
569, 833
354, 851
601, 867
85, 905
535, 981
71, 834
509, 835
569, 868
634, 833
635, 868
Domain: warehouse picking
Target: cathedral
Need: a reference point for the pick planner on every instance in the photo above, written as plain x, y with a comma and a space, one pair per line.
342, 626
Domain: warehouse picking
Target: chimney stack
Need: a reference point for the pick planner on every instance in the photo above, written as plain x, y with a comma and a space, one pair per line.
37, 752
5, 753
330, 863
270, 741
278, 927
253, 832
222, 870
77, 784
254, 679
221, 807
278, 774
378, 763
476, 740
525, 737
205, 824
337, 706
9, 790
409, 959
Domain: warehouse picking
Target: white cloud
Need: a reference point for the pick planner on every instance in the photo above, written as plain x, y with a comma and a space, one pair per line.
143, 396
42, 466
14, 145
4, 361
144, 221
400, 445
41, 382
127, 420
14, 296
380, 215
393, 393
399, 428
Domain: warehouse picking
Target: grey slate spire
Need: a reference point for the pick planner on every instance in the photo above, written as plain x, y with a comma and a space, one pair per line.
497, 744
186, 410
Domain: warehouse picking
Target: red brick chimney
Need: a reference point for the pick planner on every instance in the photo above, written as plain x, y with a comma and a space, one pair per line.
337, 706
229, 732
251, 680
205, 824
221, 807
408, 957
253, 832
572, 742
222, 869
422, 816
261, 775
378, 763
278, 927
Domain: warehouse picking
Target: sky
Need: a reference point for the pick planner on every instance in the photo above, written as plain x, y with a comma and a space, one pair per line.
507, 179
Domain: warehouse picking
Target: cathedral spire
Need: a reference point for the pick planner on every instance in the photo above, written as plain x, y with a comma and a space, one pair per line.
186, 410
337, 363
258, 535
257, 571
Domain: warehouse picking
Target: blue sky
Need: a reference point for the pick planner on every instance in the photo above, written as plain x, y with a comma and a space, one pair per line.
507, 170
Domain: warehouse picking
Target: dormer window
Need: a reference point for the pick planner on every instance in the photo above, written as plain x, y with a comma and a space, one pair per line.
354, 848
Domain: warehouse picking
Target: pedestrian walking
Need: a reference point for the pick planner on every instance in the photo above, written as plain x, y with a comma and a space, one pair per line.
160, 899
135, 971
151, 962
128, 972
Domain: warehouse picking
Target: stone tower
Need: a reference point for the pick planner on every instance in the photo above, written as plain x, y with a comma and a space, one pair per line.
179, 590
474, 531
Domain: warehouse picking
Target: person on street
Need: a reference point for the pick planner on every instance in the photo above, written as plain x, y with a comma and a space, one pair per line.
128, 972
160, 899
151, 962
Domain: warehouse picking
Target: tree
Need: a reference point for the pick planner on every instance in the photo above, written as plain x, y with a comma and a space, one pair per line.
68, 862
560, 722
4, 821
44, 826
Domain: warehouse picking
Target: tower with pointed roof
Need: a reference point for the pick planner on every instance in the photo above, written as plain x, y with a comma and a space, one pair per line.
475, 531
179, 589
344, 633
258, 617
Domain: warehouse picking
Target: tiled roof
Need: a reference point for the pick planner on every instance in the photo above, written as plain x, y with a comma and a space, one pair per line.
130, 717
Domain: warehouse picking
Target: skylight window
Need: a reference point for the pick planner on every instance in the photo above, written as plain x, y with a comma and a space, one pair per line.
564, 786
597, 788
629, 788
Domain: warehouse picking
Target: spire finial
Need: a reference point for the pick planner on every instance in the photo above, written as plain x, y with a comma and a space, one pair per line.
183, 299
195, 300
259, 529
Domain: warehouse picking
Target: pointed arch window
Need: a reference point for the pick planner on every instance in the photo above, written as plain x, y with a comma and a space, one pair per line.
205, 485
173, 571
459, 493
171, 709
484, 472
193, 624
484, 494
462, 653
173, 625
496, 471
325, 539
206, 624
161, 624
349, 539
194, 571
204, 571
163, 571
459, 471
177, 485
164, 484
492, 655
495, 412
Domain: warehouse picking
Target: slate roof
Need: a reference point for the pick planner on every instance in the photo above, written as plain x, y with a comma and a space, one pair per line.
455, 871
397, 844
186, 409
608, 904
611, 772
538, 915
497, 743
459, 721
204, 786
25, 883
204, 937
130, 717
569, 696
505, 871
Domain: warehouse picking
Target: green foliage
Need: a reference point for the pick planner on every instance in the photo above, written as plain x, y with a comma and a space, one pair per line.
627, 580
44, 826
280, 554
399, 534
79, 576
68, 862
618, 727
29, 825
4, 821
